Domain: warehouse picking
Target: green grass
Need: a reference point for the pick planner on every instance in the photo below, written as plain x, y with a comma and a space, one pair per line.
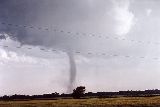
92, 102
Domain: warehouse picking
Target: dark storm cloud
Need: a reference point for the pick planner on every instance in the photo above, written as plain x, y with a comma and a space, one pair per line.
72, 15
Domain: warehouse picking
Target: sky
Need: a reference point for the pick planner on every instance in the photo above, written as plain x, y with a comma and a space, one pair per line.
114, 44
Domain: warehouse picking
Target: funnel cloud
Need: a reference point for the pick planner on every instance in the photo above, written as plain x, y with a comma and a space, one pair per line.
73, 71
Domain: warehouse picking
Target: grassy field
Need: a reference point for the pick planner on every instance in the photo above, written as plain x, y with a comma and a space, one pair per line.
92, 102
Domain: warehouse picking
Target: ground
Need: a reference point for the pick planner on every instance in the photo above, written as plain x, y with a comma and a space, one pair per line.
91, 102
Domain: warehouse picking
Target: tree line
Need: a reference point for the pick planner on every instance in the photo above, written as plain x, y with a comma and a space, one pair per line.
79, 92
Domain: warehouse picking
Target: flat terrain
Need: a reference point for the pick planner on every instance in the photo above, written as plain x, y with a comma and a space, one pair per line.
92, 102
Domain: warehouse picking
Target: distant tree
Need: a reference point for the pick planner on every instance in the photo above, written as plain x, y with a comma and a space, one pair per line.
78, 92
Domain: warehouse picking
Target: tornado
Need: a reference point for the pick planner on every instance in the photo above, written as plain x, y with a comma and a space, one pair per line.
72, 72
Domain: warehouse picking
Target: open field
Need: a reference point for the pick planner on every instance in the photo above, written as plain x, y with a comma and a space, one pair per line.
92, 102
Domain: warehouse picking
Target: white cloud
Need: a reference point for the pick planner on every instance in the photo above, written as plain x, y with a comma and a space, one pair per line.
10, 56
18, 68
148, 12
123, 16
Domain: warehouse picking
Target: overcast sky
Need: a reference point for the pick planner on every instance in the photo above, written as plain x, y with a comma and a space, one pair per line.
127, 31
